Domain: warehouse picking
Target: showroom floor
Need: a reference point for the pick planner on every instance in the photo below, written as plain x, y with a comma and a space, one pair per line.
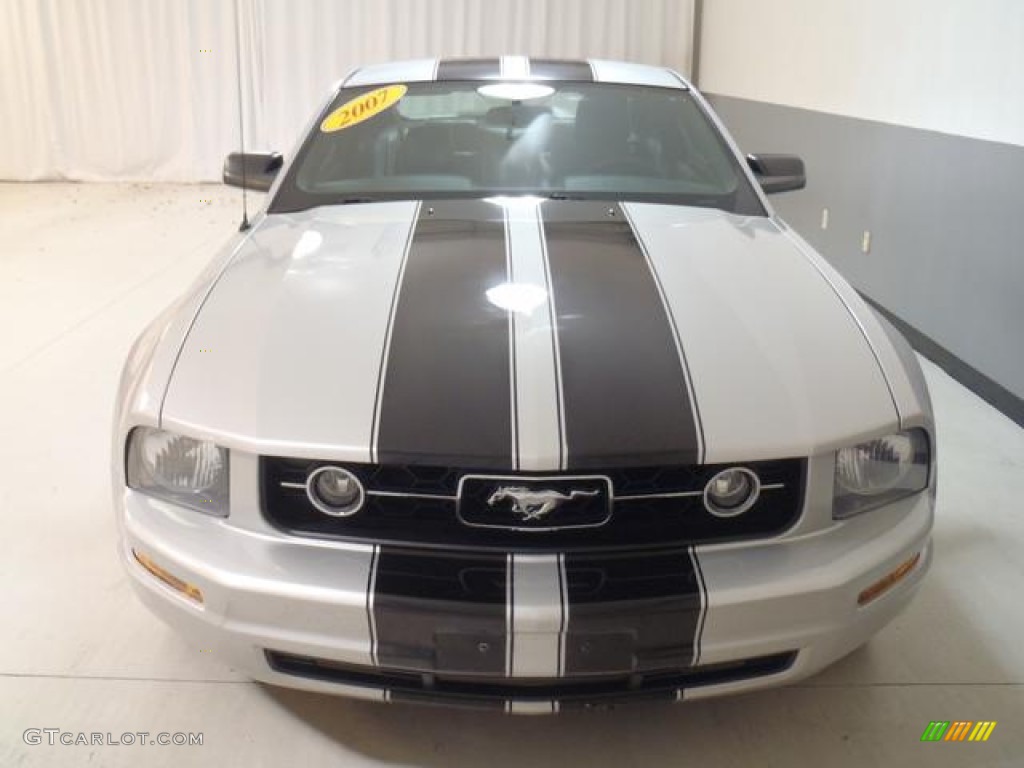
83, 267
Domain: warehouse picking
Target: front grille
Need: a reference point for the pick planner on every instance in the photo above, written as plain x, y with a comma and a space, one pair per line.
417, 505
401, 684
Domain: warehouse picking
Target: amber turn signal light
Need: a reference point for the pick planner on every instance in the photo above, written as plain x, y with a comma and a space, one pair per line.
168, 578
888, 580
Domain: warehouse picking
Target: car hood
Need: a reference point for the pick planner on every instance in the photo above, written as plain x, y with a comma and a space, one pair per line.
529, 335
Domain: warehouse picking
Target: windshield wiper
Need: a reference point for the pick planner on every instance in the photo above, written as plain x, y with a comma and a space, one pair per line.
567, 196
354, 200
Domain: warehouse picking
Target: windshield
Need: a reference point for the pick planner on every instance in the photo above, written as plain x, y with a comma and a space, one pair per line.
554, 139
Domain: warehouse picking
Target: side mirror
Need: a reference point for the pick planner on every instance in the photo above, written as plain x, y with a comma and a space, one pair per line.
778, 173
252, 170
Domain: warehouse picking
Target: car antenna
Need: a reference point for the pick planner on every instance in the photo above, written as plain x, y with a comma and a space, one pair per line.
241, 121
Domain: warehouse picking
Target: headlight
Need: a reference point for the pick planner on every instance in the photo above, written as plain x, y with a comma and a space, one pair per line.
193, 473
880, 471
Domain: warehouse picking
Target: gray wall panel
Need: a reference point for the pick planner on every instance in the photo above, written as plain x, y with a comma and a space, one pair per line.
946, 215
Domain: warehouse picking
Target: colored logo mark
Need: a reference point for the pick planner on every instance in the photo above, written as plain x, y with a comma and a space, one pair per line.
958, 730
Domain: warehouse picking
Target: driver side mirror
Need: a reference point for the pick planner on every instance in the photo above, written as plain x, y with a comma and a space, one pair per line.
252, 170
778, 173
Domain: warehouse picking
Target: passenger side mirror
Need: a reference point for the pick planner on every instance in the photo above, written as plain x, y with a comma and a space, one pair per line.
252, 170
778, 173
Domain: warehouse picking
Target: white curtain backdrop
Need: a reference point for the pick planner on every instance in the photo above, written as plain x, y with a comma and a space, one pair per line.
146, 89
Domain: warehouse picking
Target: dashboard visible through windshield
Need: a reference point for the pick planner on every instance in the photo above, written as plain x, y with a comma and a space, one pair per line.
563, 140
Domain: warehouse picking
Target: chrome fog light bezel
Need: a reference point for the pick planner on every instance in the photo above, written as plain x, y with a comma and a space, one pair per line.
724, 511
316, 499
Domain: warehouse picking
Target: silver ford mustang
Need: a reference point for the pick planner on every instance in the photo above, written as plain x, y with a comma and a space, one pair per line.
517, 394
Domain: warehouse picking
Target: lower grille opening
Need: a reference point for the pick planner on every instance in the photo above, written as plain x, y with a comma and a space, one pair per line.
434, 686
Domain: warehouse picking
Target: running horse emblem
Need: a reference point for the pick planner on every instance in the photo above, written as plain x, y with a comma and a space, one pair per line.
534, 505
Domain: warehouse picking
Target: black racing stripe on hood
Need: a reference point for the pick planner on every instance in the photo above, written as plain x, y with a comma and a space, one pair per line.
553, 69
446, 392
624, 389
631, 613
469, 69
441, 612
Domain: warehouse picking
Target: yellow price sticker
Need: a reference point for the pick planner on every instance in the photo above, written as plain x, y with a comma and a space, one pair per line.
362, 108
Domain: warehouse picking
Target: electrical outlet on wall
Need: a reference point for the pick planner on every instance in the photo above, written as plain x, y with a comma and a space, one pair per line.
824, 218
865, 242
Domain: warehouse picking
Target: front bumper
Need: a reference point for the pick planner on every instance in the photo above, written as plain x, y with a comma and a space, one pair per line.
298, 612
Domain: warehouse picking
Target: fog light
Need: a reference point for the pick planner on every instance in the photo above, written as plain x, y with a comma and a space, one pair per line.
887, 581
731, 492
168, 578
335, 491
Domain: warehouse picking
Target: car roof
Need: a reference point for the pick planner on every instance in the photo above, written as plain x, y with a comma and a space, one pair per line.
515, 68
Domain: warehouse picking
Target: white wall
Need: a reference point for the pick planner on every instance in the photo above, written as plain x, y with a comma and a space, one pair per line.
146, 89
955, 66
